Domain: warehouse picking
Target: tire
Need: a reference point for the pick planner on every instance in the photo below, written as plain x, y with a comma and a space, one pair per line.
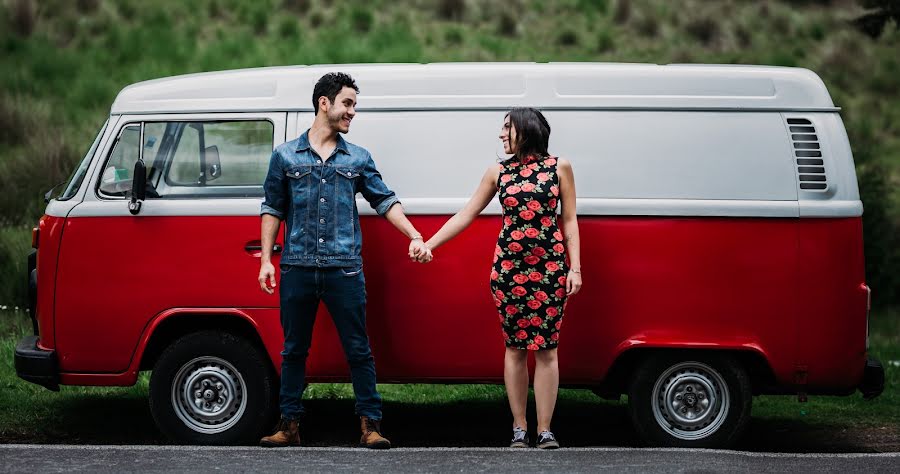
690, 401
234, 379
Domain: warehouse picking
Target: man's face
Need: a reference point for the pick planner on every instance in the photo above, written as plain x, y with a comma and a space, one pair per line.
342, 111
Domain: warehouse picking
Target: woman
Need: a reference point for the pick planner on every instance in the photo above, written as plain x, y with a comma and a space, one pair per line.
530, 279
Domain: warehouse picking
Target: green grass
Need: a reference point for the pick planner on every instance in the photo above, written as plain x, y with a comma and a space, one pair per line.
81, 414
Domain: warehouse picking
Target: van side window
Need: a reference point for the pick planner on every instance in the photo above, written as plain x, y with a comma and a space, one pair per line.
195, 159
116, 178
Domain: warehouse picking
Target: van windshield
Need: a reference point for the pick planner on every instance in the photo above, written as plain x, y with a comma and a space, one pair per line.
78, 176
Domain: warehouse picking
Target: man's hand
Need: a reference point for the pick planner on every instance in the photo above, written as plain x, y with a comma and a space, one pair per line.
267, 275
573, 283
418, 252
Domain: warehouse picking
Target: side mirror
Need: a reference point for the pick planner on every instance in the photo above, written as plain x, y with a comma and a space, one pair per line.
213, 164
138, 188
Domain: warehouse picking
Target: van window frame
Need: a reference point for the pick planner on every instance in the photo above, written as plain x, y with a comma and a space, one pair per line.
141, 123
74, 183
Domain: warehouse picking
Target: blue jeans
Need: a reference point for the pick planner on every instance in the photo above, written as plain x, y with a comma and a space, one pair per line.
344, 292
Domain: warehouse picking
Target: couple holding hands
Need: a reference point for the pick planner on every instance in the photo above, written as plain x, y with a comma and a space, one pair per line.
311, 185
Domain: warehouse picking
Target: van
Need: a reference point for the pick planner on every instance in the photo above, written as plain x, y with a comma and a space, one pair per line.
721, 222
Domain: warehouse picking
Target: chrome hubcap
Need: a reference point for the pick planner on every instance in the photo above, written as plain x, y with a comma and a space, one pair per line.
690, 400
208, 395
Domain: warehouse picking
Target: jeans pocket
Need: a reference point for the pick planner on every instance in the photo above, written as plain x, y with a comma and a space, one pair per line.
351, 271
285, 269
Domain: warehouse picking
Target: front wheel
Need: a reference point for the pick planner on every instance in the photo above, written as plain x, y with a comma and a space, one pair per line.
693, 402
213, 388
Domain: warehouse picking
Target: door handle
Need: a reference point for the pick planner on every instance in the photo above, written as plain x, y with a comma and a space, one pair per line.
256, 247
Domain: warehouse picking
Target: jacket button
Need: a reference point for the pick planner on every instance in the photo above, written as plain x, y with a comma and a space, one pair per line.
296, 173
322, 221
321, 240
323, 199
323, 180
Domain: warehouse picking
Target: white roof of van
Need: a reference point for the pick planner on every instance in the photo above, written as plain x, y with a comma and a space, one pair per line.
489, 86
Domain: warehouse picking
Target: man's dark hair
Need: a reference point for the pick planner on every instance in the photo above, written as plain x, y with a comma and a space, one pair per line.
532, 133
330, 86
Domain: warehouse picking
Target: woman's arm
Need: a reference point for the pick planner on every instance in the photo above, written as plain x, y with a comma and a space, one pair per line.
479, 200
570, 225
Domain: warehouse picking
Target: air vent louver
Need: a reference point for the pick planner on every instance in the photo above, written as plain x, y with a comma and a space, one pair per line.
808, 155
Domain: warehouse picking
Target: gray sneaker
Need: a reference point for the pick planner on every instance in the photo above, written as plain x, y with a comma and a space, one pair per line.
546, 440
519, 439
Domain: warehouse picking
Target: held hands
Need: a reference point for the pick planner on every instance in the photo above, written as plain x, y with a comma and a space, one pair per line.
267, 275
419, 252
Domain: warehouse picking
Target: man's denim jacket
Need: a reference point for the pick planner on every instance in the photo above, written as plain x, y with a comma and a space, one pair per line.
317, 201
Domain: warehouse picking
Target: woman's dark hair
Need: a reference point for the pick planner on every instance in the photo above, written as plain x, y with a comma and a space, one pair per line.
330, 86
532, 133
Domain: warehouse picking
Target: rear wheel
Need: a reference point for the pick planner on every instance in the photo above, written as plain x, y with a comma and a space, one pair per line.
213, 387
700, 402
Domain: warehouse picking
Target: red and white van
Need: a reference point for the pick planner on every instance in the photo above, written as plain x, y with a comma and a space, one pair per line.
721, 222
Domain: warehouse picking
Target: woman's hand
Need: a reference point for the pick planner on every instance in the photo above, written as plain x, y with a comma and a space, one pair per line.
573, 283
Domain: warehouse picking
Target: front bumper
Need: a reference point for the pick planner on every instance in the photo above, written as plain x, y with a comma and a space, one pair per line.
36, 365
873, 379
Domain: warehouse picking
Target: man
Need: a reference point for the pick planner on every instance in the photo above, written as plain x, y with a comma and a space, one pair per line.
312, 184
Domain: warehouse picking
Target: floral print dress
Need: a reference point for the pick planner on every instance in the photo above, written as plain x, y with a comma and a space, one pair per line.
529, 275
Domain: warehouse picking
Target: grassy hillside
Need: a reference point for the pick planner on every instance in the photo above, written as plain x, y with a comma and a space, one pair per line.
63, 61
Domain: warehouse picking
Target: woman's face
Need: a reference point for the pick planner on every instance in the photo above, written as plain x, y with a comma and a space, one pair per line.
508, 136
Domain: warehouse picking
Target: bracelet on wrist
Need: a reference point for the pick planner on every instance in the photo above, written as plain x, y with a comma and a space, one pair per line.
416, 237
572, 270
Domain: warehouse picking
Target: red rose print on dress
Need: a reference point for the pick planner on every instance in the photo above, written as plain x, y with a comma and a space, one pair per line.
559, 325
561, 293
533, 347
534, 304
538, 251
527, 215
536, 321
541, 296
543, 177
552, 311
498, 295
539, 339
521, 335
562, 280
554, 337
551, 204
535, 276
519, 291
520, 278
517, 235
511, 309
507, 221
525, 173
551, 266
494, 275
505, 178
531, 260
558, 235
515, 247
550, 161
528, 187
553, 189
531, 232
523, 323
532, 166
511, 201
514, 190
506, 264
546, 222
558, 248
534, 205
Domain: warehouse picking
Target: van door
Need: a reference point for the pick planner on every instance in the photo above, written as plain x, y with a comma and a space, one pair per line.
195, 243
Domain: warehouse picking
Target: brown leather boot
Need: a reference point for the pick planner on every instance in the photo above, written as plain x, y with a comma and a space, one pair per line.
371, 434
287, 433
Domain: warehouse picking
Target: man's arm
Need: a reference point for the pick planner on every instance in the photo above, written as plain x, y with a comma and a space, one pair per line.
272, 210
270, 225
386, 204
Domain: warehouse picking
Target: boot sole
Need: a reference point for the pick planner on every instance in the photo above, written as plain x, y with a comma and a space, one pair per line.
519, 445
376, 445
550, 445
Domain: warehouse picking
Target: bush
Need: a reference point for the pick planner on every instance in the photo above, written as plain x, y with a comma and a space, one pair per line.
705, 30
568, 38
451, 9
361, 20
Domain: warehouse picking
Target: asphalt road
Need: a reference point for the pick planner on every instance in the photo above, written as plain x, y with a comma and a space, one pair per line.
58, 458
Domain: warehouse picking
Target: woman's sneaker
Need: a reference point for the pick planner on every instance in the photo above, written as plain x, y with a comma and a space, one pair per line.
546, 440
519, 439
